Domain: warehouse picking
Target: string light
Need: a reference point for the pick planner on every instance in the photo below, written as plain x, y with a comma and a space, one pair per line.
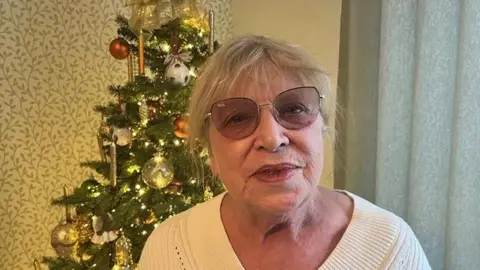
164, 46
141, 192
137, 186
143, 207
147, 144
162, 143
113, 210
133, 168
176, 142
144, 232
125, 188
192, 72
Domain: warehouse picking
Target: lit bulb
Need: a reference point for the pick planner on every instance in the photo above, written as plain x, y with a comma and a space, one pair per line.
192, 72
113, 210
134, 133
176, 142
137, 186
141, 192
143, 206
155, 225
165, 47
131, 225
147, 143
162, 143
144, 232
193, 181
166, 93
139, 103
189, 46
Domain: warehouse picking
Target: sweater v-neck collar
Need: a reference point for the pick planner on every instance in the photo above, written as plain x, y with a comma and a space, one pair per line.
211, 247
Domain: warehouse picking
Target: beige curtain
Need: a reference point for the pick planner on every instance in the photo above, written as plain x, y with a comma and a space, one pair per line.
410, 139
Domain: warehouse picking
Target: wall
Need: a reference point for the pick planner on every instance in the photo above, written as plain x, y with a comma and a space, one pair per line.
314, 24
54, 67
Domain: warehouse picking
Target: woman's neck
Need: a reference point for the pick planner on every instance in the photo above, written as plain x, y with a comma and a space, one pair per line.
258, 226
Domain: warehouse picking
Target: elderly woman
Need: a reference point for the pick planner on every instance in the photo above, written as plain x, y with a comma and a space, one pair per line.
260, 107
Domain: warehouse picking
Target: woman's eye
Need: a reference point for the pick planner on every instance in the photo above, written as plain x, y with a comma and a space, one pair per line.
293, 109
236, 119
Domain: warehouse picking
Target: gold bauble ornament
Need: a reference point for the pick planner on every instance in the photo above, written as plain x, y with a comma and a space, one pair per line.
64, 237
123, 254
83, 223
64, 240
157, 172
122, 136
174, 187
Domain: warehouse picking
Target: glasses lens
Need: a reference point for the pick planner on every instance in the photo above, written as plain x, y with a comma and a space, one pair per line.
235, 118
297, 108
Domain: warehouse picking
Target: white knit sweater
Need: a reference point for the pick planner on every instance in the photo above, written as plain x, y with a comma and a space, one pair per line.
196, 240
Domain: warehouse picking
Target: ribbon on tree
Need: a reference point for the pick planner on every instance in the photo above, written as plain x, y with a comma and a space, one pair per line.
183, 57
150, 14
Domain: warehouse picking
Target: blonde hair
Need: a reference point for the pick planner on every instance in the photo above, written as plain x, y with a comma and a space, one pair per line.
250, 57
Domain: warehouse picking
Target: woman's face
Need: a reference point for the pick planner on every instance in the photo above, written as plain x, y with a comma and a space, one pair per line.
274, 169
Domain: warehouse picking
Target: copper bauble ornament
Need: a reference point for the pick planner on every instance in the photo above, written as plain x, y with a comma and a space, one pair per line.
181, 127
119, 48
151, 218
157, 172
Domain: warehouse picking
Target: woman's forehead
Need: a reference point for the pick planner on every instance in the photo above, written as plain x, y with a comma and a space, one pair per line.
262, 88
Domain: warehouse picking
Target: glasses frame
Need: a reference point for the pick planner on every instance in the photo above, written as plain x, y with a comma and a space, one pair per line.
269, 104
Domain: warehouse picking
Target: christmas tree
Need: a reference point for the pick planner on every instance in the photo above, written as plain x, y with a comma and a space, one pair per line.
146, 172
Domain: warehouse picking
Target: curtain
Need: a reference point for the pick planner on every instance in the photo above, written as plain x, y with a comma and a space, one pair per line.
427, 126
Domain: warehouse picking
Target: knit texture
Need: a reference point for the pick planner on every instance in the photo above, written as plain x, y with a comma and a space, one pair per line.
196, 240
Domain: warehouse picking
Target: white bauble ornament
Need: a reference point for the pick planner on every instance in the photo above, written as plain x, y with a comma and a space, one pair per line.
123, 136
177, 72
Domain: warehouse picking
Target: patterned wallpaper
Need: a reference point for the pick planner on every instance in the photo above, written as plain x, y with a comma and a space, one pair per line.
54, 67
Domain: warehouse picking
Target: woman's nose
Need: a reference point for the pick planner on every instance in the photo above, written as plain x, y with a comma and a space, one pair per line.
269, 135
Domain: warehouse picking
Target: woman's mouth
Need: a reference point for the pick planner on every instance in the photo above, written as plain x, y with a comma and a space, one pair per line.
275, 173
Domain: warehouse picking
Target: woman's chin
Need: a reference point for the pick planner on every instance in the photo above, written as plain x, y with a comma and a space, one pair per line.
279, 203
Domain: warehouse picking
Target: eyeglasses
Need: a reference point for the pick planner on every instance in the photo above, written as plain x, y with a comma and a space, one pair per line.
238, 118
